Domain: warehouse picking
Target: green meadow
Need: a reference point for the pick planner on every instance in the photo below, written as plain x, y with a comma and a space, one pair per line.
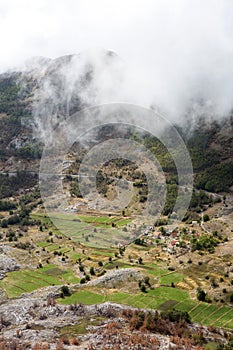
22, 281
163, 299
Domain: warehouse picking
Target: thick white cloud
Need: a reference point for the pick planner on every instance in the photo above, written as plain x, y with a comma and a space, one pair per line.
178, 49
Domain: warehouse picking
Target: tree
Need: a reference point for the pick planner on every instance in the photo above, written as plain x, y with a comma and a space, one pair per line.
92, 271
162, 230
143, 288
121, 251
140, 261
81, 268
206, 218
213, 282
4, 224
201, 294
87, 277
65, 291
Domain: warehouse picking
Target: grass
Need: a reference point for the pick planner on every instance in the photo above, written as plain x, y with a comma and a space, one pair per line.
103, 221
113, 264
220, 312
225, 318
229, 324
167, 305
102, 253
154, 269
75, 256
211, 346
214, 315
168, 293
78, 227
163, 299
83, 296
52, 247
204, 315
18, 282
82, 327
186, 305
151, 299
43, 244
199, 309
171, 277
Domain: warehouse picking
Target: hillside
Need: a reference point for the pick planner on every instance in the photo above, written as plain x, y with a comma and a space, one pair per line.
26, 112
81, 278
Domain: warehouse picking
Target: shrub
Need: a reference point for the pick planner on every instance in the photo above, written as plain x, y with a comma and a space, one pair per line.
140, 261
92, 271
65, 291
201, 294
143, 288
231, 298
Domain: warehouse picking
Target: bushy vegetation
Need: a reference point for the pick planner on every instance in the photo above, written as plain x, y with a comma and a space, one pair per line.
201, 294
10, 185
218, 179
140, 241
228, 346
205, 242
9, 97
7, 205
74, 188
29, 151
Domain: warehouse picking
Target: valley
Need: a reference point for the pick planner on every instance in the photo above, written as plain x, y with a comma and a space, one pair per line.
79, 274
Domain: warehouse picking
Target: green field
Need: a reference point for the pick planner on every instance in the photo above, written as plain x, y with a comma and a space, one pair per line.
163, 299
85, 297
18, 282
92, 231
174, 277
155, 269
102, 235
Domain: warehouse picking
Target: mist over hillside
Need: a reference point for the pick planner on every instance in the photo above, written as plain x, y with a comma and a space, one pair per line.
56, 88
35, 100
116, 186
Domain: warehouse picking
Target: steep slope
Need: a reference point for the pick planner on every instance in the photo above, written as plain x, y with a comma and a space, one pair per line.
34, 101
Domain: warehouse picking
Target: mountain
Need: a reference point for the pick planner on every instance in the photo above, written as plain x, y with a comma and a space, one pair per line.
39, 96
36, 99
77, 277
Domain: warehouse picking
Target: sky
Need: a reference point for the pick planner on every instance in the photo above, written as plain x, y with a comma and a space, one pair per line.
178, 48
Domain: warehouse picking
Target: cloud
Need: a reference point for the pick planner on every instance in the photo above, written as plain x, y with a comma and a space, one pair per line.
176, 51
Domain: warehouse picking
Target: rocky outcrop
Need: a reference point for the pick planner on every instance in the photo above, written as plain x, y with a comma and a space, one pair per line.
114, 277
7, 264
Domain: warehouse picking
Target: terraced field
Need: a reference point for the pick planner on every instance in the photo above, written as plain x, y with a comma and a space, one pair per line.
214, 315
92, 231
74, 256
171, 278
97, 234
22, 281
163, 299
